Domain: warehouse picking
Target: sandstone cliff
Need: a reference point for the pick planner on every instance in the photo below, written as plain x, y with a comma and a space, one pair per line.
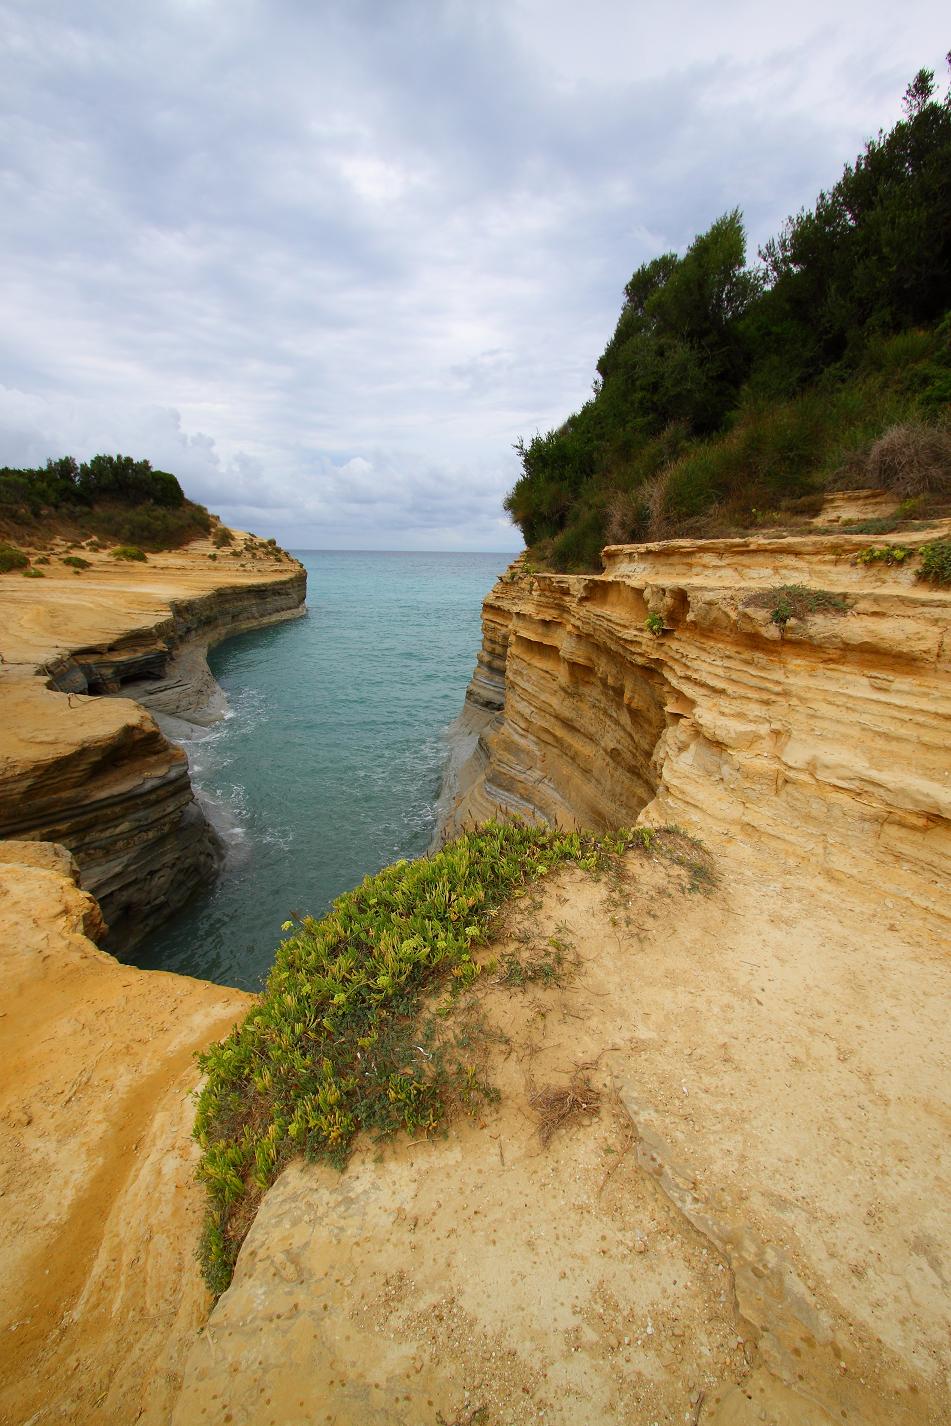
749, 1225
97, 774
100, 1294
748, 1221
822, 740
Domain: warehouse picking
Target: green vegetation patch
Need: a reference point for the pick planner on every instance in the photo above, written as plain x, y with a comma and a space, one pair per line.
341, 1040
884, 554
114, 497
547, 966
77, 562
128, 552
11, 558
33, 574
796, 601
936, 562
733, 393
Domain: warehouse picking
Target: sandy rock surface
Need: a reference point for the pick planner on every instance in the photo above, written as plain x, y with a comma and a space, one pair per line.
824, 739
750, 1226
100, 1294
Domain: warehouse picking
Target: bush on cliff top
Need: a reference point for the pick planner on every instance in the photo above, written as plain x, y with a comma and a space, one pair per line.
729, 391
113, 496
335, 1046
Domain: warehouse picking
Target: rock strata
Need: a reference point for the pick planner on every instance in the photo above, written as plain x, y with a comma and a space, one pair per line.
822, 738
96, 773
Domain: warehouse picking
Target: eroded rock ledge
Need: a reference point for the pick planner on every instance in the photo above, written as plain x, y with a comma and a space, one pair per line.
822, 741
98, 774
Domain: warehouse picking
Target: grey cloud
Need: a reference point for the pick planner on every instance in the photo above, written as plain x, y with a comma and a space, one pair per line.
328, 262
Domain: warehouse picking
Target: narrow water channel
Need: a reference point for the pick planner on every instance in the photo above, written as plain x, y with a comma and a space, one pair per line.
328, 765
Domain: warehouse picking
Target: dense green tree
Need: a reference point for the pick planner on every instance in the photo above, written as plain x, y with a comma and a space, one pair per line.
702, 336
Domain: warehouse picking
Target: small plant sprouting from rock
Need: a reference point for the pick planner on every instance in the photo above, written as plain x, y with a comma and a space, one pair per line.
796, 601
935, 565
654, 624
884, 554
549, 967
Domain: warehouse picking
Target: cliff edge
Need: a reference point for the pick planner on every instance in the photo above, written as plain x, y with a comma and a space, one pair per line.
100, 1293
740, 1218
96, 773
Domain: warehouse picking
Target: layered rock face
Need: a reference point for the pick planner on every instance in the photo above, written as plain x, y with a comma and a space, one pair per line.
97, 774
821, 740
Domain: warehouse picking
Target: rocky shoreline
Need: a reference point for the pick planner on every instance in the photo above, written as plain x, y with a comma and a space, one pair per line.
87, 757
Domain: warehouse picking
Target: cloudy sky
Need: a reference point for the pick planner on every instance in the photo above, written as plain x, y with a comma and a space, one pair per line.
327, 261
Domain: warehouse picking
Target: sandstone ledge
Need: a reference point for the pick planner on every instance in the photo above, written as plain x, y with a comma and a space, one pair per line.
97, 774
751, 1230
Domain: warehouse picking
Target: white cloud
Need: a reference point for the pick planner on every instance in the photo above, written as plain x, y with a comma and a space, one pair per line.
328, 263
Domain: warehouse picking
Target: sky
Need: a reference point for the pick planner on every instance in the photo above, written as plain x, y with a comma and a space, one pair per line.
327, 262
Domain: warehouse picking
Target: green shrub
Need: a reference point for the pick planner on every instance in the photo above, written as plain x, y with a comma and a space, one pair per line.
883, 554
341, 1042
150, 527
11, 558
936, 562
77, 562
222, 537
579, 546
128, 552
33, 574
654, 624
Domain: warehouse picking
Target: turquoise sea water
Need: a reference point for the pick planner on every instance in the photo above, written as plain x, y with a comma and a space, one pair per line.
329, 764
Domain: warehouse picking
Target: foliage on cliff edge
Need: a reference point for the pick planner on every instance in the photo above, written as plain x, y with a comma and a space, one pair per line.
116, 497
341, 1041
727, 391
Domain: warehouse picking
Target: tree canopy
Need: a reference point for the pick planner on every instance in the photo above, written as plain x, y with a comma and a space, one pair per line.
702, 335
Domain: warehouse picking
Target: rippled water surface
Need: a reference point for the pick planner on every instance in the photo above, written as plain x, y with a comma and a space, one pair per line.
329, 765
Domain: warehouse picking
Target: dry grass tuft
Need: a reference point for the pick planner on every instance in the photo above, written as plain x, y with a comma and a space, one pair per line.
556, 1106
911, 459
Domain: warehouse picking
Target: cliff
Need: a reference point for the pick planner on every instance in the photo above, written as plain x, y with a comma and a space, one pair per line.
739, 1213
96, 773
821, 740
742, 1219
100, 1293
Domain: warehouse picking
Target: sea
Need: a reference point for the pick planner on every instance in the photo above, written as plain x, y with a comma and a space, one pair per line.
328, 764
